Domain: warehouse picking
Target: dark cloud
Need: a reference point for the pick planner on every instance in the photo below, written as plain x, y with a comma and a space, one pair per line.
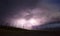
11, 8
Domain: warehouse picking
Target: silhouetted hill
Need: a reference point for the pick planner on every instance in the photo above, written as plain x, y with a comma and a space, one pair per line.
10, 31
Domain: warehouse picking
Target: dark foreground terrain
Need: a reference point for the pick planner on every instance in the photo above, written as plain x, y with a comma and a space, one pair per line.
10, 31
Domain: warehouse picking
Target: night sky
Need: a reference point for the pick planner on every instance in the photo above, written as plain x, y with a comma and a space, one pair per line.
15, 9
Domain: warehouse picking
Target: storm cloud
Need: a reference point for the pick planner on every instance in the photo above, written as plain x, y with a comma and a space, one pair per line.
15, 9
